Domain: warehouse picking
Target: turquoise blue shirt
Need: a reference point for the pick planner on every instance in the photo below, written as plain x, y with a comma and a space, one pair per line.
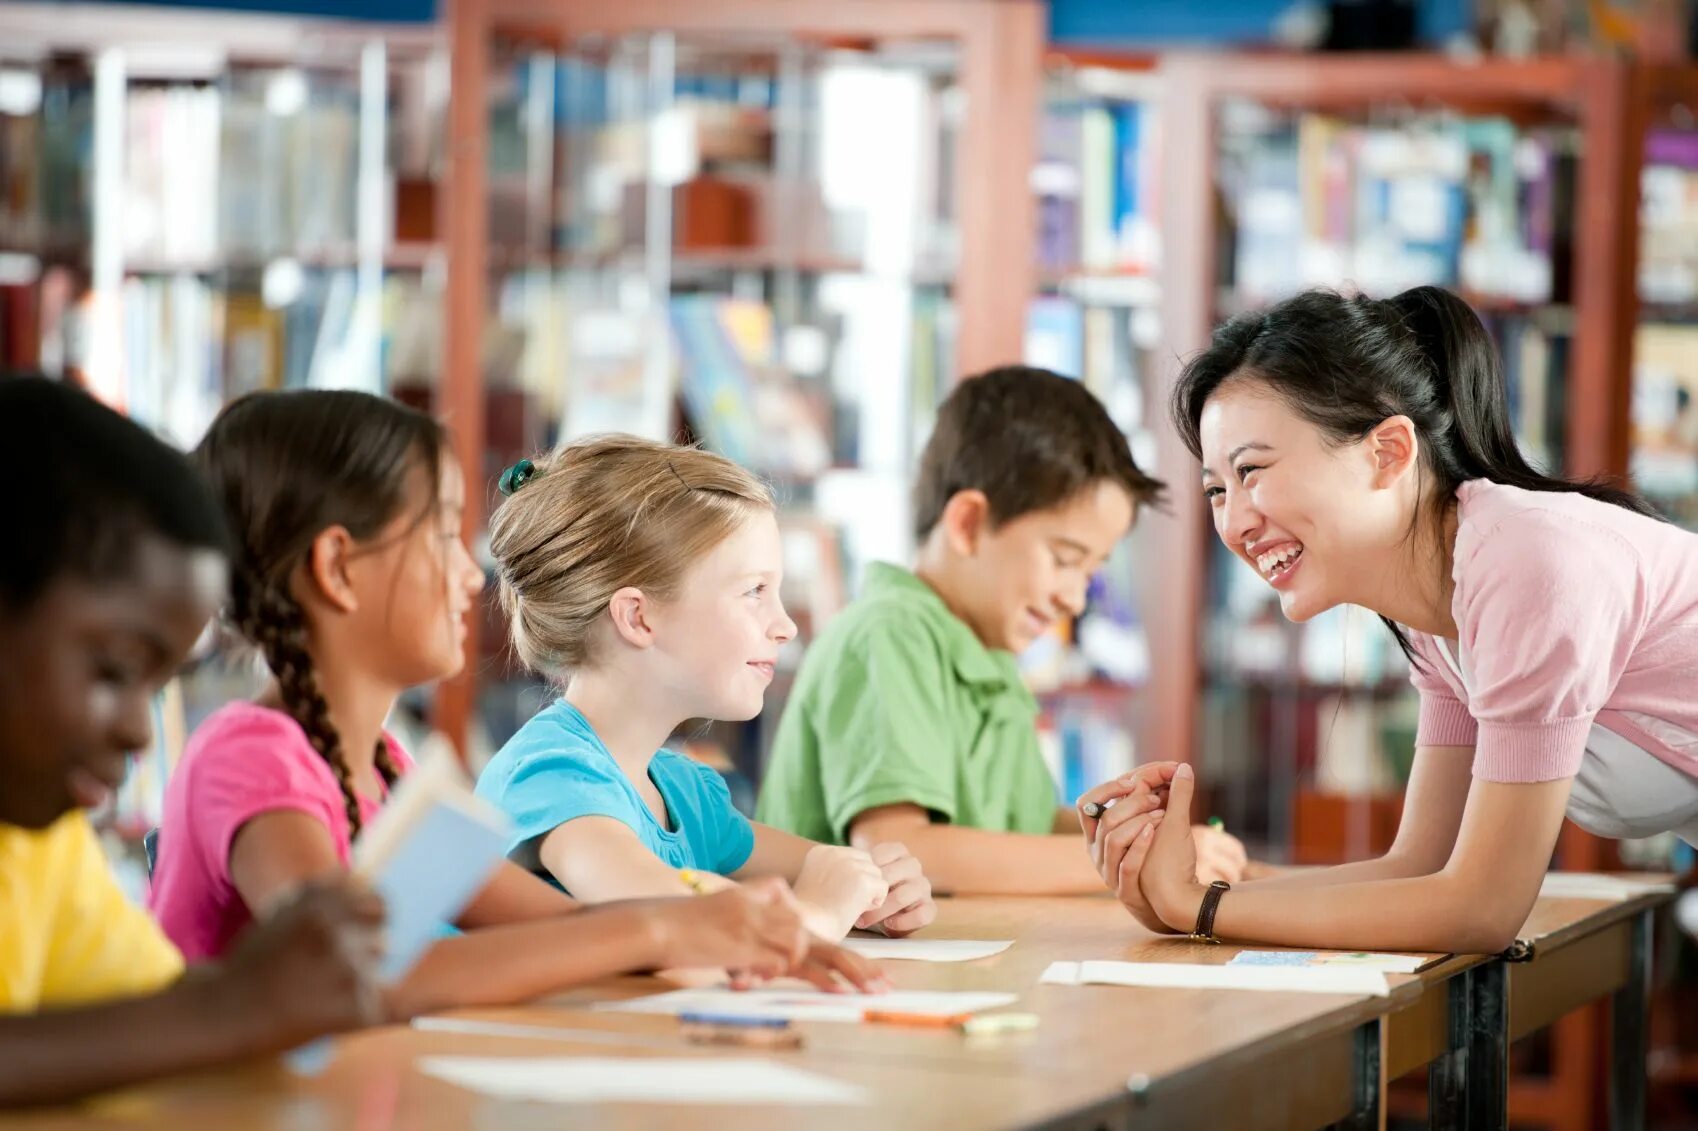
556, 769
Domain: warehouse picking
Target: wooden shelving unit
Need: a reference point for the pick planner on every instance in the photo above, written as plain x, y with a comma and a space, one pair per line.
1000, 51
1610, 102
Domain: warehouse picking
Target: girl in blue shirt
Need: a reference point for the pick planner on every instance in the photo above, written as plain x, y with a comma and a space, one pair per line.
643, 579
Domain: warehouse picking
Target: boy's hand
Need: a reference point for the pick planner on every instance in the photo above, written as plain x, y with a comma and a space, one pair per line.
312, 965
1220, 855
908, 905
843, 884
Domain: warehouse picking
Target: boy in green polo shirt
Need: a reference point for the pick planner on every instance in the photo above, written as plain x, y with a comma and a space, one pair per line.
909, 720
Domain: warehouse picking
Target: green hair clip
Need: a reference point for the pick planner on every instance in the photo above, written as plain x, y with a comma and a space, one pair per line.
516, 476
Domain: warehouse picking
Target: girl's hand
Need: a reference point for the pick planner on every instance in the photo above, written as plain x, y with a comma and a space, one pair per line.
755, 929
835, 970
1167, 869
758, 932
312, 966
908, 905
842, 884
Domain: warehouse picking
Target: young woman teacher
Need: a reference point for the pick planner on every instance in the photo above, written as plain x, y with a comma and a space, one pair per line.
1359, 451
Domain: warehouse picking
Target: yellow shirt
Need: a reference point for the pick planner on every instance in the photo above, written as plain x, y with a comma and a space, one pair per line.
67, 934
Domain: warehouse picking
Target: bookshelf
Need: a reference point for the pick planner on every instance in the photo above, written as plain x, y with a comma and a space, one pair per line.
1663, 455
197, 204
201, 204
733, 257
1459, 110
1571, 318
1094, 316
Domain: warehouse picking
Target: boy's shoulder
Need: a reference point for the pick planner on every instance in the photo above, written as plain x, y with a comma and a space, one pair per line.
893, 603
43, 856
900, 625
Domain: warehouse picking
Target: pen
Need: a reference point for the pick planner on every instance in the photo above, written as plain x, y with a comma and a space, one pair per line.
742, 1020
918, 1020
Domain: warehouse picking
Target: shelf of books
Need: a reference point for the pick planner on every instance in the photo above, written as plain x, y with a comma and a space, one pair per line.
1664, 454
735, 230
1665, 349
192, 209
1377, 202
1496, 180
1095, 316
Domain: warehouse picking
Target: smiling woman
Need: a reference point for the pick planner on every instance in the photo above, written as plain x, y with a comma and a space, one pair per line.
1359, 451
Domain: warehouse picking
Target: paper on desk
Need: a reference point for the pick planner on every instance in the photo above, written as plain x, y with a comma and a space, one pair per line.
1188, 976
808, 1005
1386, 963
1586, 885
566, 1080
927, 950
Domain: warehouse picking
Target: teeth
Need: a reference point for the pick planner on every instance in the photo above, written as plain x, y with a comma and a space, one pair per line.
1275, 560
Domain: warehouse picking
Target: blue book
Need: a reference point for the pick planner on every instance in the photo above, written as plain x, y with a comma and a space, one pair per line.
431, 849
1127, 201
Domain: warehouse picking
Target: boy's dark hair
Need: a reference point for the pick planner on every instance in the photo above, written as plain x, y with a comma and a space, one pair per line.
289, 465
1029, 439
80, 483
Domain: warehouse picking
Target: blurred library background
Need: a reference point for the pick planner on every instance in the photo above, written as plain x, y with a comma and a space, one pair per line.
784, 229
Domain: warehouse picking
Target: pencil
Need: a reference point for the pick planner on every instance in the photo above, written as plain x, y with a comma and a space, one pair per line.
693, 880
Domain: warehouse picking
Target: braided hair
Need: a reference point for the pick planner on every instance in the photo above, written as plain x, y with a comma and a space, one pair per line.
287, 466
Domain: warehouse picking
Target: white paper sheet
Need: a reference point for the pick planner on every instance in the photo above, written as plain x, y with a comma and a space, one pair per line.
542, 1033
1178, 975
585, 1080
927, 950
808, 1005
1586, 885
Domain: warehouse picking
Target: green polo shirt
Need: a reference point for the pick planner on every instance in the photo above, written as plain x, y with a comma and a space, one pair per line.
897, 701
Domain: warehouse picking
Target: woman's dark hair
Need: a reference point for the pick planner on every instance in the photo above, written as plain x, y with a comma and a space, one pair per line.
287, 465
82, 484
1348, 364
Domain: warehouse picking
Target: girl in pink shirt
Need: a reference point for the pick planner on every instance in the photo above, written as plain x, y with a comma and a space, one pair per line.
351, 578
1359, 451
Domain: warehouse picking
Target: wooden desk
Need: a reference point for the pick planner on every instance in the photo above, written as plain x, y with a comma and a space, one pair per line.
1472, 1007
1103, 1057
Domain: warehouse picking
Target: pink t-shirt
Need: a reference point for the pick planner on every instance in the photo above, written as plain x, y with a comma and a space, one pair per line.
244, 760
1570, 613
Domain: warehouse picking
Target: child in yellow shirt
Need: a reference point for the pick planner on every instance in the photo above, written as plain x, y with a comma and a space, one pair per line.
114, 561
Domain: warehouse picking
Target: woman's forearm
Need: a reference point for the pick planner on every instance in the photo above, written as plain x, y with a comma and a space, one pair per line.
1435, 913
1388, 867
